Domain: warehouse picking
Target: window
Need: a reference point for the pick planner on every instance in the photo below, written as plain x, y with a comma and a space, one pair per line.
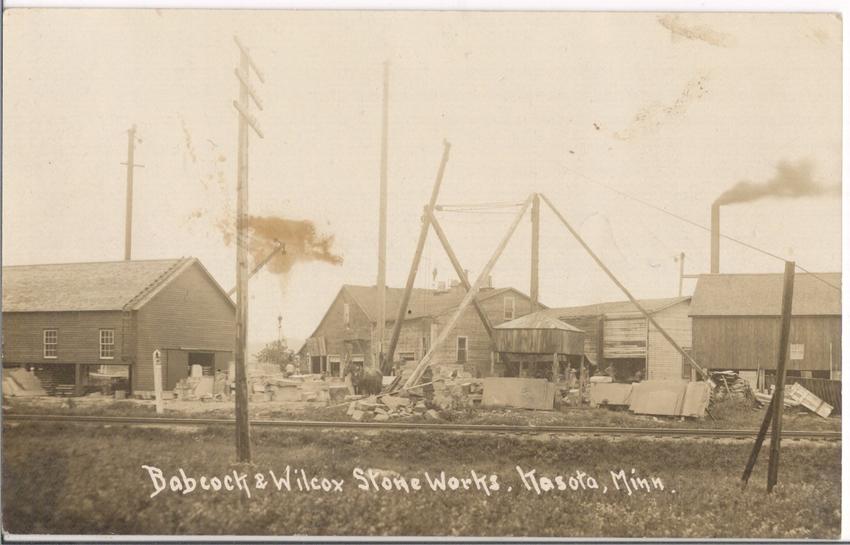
107, 344
346, 314
406, 356
424, 344
510, 308
461, 349
51, 340
334, 364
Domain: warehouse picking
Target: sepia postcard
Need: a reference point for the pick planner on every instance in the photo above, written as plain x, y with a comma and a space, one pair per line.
375, 274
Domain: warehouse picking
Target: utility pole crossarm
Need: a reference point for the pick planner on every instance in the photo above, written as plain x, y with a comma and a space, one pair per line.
243, 79
250, 119
244, 51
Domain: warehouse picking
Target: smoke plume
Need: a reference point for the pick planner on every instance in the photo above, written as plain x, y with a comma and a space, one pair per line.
791, 180
302, 242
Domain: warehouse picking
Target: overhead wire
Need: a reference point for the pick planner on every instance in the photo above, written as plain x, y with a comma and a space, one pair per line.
700, 226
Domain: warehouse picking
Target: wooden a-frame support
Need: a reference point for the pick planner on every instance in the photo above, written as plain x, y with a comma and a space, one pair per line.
467, 300
417, 257
429, 219
438, 229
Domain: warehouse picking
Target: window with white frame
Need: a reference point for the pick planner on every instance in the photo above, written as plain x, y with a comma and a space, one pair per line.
461, 349
406, 356
346, 314
510, 308
107, 344
51, 341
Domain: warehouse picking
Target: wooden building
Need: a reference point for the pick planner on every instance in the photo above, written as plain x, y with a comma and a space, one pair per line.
619, 336
536, 339
347, 332
74, 323
736, 323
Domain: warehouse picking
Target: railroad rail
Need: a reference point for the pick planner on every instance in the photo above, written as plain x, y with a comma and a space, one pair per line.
415, 426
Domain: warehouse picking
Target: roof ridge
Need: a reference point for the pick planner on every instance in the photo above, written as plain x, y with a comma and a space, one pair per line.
92, 262
807, 273
157, 281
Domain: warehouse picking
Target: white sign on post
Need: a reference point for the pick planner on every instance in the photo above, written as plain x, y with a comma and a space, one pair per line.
157, 379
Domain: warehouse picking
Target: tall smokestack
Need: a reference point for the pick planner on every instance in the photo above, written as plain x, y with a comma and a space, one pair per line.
715, 238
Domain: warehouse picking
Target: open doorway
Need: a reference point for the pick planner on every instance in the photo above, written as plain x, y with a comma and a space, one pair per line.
205, 359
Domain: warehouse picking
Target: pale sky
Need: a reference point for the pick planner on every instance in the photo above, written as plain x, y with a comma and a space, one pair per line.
674, 110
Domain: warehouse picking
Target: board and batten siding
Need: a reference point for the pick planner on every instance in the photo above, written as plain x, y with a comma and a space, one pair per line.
752, 342
189, 313
664, 362
78, 337
624, 338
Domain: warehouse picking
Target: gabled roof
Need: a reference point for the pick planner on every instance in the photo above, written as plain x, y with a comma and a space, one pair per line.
538, 320
113, 285
616, 307
423, 302
761, 295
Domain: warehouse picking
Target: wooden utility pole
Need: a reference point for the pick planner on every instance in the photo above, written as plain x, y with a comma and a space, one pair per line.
128, 214
467, 299
382, 226
246, 94
779, 392
535, 253
417, 256
774, 414
765, 424
682, 274
681, 271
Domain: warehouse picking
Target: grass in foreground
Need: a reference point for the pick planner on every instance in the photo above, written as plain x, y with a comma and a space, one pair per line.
80, 480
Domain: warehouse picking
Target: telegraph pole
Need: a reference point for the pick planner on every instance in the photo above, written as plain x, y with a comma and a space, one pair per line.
382, 228
535, 253
128, 215
246, 120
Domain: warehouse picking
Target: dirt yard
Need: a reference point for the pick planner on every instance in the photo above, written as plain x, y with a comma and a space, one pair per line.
60, 478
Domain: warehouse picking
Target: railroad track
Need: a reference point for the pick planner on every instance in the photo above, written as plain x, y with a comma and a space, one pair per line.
411, 426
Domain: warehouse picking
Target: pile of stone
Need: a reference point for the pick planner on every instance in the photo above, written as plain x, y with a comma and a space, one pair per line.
386, 407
